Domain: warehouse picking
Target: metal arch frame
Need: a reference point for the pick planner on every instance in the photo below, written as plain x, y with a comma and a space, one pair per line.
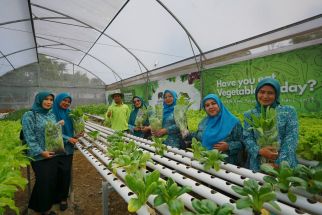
33, 29
5, 56
60, 43
15, 21
58, 58
45, 8
104, 31
185, 29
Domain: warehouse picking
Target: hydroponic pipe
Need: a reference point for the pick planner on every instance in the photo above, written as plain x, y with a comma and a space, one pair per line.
304, 203
240, 170
163, 209
196, 187
113, 181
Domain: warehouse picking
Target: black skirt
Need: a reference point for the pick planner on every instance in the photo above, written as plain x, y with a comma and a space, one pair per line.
63, 177
42, 196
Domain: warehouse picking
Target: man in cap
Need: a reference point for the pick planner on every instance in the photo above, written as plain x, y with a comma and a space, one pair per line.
118, 113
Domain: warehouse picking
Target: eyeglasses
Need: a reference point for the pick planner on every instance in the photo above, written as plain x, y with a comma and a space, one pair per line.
136, 101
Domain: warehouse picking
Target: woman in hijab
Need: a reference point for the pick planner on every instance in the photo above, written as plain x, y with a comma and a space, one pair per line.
169, 126
138, 121
267, 94
61, 110
44, 163
220, 129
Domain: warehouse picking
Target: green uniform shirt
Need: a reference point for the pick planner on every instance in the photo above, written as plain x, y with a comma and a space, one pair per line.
120, 116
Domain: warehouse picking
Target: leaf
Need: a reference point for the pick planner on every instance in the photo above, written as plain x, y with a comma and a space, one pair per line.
244, 203
134, 205
267, 197
159, 200
176, 207
291, 196
267, 168
270, 179
239, 190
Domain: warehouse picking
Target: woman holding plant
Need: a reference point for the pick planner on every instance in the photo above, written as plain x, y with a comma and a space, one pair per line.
169, 126
44, 163
220, 129
61, 110
138, 121
271, 130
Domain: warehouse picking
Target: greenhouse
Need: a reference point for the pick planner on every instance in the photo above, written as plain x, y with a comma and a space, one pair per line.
160, 107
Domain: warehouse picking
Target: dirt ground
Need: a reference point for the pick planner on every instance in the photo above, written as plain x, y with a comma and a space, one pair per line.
87, 193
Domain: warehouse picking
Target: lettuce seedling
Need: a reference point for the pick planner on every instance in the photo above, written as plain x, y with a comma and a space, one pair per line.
282, 178
143, 187
160, 147
212, 159
94, 134
255, 196
208, 207
197, 149
168, 192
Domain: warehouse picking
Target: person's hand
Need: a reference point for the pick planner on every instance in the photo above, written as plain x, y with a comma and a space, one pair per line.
109, 114
80, 135
47, 154
221, 146
137, 129
146, 129
61, 122
72, 140
268, 152
160, 132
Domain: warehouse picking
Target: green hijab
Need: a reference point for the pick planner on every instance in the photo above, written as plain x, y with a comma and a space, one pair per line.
271, 82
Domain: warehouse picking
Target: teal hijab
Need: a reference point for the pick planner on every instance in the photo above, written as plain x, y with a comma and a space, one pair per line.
218, 127
135, 110
271, 82
62, 114
168, 109
40, 97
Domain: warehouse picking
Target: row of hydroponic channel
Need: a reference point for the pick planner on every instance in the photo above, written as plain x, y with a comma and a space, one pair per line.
174, 181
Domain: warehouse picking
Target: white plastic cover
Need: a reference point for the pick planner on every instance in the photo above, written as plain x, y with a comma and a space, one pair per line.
119, 39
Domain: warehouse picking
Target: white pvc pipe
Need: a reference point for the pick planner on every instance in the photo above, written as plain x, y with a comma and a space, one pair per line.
112, 180
303, 202
186, 198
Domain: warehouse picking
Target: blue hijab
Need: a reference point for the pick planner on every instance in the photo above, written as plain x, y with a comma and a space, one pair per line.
62, 114
168, 109
135, 110
277, 87
218, 127
40, 97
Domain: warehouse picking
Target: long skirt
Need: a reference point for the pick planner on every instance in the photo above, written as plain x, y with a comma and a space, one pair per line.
42, 196
64, 177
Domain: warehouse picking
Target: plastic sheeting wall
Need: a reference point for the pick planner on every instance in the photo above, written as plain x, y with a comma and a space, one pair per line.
18, 88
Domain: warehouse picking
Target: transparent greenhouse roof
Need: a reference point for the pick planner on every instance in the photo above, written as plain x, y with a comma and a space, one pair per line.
118, 39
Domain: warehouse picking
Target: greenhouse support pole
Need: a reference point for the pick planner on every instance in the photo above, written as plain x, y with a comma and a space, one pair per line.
106, 190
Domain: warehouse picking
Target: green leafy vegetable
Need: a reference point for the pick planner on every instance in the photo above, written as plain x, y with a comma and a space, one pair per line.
77, 117
282, 178
168, 192
255, 196
94, 134
208, 207
160, 147
143, 187
265, 126
54, 138
197, 149
212, 159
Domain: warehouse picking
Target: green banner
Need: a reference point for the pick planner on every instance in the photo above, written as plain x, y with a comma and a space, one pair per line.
299, 73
